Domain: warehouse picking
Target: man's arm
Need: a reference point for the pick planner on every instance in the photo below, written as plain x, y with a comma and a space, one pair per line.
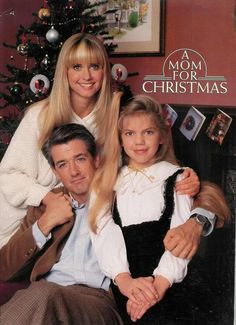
183, 241
21, 250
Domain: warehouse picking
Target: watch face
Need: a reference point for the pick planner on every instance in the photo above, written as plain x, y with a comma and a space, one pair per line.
201, 219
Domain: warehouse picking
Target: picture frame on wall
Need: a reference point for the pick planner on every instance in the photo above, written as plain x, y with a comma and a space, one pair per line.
192, 123
137, 27
219, 126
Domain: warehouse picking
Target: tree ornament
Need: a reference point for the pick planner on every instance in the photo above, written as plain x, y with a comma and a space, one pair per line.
70, 5
45, 62
44, 13
16, 90
119, 72
39, 84
52, 35
22, 49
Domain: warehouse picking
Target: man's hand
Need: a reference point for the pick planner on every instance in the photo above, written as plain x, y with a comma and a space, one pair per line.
58, 211
183, 241
189, 183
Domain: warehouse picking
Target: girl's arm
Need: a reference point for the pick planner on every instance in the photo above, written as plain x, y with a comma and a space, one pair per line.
111, 253
109, 246
25, 176
170, 267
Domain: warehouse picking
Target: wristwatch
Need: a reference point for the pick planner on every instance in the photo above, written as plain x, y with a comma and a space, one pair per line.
202, 220
210, 216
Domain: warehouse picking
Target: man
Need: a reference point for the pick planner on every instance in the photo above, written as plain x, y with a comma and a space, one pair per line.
53, 246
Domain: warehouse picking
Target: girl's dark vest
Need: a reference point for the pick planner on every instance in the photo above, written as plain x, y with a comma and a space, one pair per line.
144, 243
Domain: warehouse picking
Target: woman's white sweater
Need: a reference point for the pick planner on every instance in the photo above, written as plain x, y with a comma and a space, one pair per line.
25, 175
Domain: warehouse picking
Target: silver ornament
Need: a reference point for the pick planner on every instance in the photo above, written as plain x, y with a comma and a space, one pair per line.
52, 35
45, 62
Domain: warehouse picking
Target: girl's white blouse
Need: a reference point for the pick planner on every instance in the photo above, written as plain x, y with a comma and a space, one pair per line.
140, 198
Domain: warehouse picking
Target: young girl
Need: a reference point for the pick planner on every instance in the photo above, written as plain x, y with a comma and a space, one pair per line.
145, 205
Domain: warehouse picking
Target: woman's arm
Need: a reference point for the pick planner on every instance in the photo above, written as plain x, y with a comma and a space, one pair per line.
25, 176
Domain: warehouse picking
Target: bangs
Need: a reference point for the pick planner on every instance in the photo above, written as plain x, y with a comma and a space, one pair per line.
85, 52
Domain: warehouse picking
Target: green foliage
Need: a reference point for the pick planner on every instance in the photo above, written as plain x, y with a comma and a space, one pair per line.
68, 17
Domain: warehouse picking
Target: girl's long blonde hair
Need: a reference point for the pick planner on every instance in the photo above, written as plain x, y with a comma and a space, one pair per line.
106, 174
57, 107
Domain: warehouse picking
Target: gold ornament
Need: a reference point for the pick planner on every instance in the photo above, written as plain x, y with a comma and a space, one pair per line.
44, 13
22, 49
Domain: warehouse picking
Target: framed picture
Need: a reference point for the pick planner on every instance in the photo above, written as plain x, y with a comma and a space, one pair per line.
219, 126
192, 123
137, 27
169, 114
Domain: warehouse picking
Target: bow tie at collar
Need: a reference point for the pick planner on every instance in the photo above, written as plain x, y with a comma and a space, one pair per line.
139, 179
138, 170
150, 177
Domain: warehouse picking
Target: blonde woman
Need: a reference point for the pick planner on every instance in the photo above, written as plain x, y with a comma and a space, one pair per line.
81, 93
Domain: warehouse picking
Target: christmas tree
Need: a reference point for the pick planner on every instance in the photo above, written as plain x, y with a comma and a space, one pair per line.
39, 44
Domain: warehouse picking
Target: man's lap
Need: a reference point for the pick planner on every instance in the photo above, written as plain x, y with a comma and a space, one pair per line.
49, 303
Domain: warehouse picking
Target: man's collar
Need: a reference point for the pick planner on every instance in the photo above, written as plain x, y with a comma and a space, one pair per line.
75, 204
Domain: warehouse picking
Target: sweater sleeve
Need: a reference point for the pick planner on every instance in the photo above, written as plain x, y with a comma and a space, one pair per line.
25, 175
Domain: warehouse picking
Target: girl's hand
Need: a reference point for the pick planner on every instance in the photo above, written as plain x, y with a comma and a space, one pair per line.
140, 290
162, 285
189, 184
136, 311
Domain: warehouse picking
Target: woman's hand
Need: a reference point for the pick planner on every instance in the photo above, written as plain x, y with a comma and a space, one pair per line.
49, 197
58, 211
189, 183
